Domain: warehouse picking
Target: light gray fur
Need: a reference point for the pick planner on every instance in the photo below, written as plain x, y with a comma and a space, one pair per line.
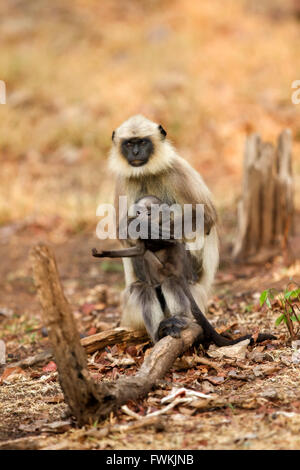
171, 179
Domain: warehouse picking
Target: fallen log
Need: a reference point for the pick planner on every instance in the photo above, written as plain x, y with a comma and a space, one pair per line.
115, 336
89, 401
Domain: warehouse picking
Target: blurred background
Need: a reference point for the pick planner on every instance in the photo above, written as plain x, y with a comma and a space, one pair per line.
211, 72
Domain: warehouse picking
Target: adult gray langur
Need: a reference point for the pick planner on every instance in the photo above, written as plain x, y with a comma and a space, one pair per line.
145, 163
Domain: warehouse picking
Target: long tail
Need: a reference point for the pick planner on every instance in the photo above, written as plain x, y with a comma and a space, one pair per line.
211, 335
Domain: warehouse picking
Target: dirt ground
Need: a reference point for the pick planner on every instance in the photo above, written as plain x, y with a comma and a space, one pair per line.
256, 399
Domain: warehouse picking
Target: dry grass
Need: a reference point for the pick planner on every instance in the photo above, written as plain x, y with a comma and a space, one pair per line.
76, 70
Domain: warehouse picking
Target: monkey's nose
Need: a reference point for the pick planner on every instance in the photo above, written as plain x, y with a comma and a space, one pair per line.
135, 150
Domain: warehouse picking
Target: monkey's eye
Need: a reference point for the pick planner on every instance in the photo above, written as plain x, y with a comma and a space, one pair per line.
128, 144
143, 142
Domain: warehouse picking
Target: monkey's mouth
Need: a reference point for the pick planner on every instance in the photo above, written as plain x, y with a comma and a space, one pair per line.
138, 162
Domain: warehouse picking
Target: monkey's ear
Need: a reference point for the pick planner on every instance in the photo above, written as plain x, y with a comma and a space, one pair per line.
162, 131
113, 136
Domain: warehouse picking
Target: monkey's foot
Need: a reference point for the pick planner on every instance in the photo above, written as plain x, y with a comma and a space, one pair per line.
171, 326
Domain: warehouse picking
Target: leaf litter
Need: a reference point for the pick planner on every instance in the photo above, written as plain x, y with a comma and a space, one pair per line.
236, 397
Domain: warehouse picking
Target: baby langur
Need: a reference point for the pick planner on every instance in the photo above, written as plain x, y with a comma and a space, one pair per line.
168, 267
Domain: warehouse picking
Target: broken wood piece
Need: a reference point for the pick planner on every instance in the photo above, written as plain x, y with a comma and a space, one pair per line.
110, 337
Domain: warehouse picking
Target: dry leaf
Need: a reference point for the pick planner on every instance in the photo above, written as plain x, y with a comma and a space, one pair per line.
11, 374
123, 361
92, 331
236, 351
186, 411
50, 367
215, 380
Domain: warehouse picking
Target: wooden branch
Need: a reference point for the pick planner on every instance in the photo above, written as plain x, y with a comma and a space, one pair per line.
115, 336
155, 366
32, 360
88, 401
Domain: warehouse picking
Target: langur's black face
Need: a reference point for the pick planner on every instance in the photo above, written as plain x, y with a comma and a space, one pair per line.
137, 151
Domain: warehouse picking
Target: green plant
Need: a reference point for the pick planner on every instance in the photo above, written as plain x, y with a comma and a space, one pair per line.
287, 304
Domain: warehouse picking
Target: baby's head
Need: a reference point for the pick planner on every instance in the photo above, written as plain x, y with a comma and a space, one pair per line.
143, 205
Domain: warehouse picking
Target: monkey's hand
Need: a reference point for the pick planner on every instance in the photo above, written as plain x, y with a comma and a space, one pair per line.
171, 326
97, 254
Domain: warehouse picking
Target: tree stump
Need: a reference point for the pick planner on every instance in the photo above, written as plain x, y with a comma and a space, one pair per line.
265, 211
